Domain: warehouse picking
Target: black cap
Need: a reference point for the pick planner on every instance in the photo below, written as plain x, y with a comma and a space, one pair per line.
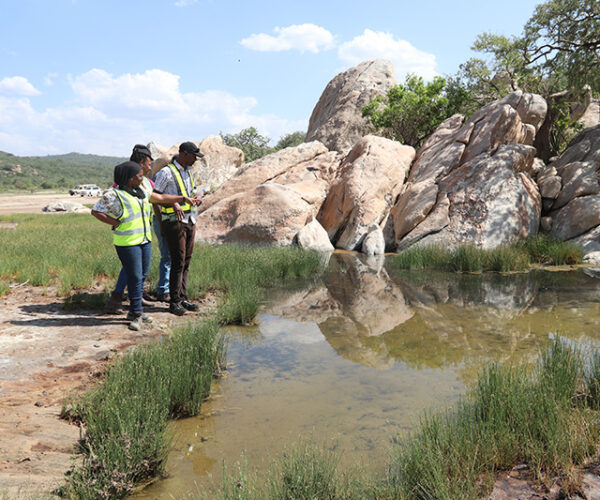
141, 149
190, 147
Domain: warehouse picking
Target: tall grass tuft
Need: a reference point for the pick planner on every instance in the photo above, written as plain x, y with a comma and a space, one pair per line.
513, 415
126, 439
541, 249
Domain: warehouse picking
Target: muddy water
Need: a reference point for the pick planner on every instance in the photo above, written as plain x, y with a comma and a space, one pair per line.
352, 359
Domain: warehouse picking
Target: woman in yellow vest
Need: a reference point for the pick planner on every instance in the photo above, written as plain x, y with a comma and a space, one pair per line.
127, 209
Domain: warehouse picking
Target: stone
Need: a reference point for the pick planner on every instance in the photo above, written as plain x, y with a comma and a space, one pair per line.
576, 217
374, 242
269, 214
337, 119
270, 167
368, 182
66, 207
314, 237
473, 182
577, 179
550, 186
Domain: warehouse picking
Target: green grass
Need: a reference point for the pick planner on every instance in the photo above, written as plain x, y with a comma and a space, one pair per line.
542, 249
127, 438
74, 252
546, 415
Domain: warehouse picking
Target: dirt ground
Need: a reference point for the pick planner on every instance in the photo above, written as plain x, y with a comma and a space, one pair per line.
33, 203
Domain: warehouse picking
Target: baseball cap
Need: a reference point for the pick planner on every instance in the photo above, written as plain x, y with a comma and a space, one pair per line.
140, 148
190, 147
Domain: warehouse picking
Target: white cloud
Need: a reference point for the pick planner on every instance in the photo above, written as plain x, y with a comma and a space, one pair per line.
49, 78
185, 3
379, 45
107, 114
302, 37
17, 85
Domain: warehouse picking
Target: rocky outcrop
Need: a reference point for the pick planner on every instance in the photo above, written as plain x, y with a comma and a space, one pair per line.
220, 161
472, 182
368, 182
337, 120
574, 209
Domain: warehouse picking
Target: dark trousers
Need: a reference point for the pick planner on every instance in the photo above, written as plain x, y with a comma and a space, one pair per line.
180, 239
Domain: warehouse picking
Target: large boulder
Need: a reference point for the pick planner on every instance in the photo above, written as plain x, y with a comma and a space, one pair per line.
472, 182
337, 119
220, 162
368, 182
269, 214
306, 162
575, 210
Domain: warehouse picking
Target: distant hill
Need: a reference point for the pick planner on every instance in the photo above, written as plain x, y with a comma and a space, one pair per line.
55, 171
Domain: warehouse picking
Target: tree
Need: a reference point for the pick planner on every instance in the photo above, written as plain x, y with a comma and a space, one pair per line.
289, 140
250, 142
410, 112
557, 56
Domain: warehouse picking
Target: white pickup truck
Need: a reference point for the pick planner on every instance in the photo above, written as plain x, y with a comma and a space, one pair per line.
86, 190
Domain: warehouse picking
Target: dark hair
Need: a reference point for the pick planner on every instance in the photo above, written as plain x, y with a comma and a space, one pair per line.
139, 153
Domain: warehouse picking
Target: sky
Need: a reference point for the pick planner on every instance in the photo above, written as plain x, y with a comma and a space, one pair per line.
98, 76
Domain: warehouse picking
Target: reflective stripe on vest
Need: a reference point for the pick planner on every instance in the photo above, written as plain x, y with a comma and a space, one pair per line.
182, 191
135, 221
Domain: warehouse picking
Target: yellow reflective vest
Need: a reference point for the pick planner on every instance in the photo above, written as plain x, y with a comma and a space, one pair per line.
135, 227
186, 207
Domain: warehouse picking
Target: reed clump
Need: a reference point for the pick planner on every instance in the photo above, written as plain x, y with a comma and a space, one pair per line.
541, 249
126, 415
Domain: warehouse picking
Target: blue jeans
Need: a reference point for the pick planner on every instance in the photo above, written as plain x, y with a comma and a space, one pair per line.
136, 264
164, 266
121, 282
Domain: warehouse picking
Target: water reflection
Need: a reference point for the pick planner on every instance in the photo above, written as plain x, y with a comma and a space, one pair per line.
374, 315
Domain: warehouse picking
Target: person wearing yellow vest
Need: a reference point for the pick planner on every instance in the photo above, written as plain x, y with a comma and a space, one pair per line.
127, 209
178, 224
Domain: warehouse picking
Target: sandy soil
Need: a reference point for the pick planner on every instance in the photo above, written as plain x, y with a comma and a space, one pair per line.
31, 203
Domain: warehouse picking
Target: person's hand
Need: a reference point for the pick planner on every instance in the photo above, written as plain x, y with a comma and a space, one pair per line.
197, 200
178, 212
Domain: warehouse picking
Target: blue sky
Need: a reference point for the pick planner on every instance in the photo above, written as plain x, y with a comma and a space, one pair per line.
97, 76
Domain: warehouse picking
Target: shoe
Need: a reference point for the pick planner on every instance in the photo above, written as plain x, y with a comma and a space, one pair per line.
190, 306
147, 297
144, 317
136, 323
146, 302
114, 304
176, 309
163, 297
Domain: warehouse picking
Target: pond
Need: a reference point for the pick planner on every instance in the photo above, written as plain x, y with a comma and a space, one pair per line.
351, 359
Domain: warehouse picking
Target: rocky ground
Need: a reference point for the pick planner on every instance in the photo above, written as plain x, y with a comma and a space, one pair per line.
46, 353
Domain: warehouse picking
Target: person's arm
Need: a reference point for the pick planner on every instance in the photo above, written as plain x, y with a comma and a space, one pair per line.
157, 197
107, 219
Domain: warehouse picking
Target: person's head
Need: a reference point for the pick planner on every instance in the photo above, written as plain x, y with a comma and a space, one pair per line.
141, 154
128, 175
188, 154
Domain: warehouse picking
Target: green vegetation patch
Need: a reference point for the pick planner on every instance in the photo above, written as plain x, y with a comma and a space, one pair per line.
125, 417
541, 249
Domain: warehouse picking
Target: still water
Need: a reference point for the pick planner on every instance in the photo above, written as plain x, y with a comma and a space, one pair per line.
352, 358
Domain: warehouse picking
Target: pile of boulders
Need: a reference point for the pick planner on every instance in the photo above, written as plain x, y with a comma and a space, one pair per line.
476, 181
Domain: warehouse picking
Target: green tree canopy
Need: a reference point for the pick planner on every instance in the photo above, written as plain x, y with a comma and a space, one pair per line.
289, 140
410, 112
250, 142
